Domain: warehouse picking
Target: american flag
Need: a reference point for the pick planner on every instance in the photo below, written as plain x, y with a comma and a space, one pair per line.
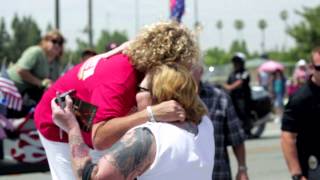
176, 9
9, 94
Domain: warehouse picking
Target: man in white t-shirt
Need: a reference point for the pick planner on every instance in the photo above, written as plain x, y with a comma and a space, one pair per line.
154, 150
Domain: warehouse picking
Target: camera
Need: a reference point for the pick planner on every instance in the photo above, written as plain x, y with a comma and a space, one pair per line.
61, 97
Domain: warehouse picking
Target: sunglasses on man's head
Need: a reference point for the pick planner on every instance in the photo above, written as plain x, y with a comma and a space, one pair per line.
316, 67
56, 41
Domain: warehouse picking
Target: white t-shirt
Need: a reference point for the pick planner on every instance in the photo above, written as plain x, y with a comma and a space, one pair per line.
181, 154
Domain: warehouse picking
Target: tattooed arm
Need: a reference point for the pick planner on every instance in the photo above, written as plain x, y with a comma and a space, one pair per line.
128, 158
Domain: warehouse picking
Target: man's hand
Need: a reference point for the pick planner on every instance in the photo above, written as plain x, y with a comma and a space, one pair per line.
64, 118
169, 111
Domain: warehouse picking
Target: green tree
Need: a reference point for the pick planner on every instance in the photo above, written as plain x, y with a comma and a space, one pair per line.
219, 26
239, 25
262, 24
215, 56
284, 18
107, 37
306, 33
238, 46
25, 33
4, 40
49, 27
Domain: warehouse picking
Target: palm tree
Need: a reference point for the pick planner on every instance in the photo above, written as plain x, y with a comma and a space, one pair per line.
239, 25
284, 18
219, 26
262, 24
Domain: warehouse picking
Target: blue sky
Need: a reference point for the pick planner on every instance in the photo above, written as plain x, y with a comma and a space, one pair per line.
120, 14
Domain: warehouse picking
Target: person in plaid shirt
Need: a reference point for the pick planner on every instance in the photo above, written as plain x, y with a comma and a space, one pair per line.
227, 129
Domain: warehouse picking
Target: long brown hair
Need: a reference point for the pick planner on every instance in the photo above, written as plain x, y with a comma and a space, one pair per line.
175, 82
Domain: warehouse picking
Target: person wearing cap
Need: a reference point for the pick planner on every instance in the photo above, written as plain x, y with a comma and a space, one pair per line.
299, 77
238, 86
38, 66
301, 125
301, 72
86, 54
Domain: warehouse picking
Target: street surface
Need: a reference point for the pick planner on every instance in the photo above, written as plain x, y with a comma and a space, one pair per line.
264, 158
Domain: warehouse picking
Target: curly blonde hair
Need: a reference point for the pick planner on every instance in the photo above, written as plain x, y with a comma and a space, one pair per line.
175, 82
165, 42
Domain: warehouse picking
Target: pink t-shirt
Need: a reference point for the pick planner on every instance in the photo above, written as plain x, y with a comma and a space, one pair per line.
109, 83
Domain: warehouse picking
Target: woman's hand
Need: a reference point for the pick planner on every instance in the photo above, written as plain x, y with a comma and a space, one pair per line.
46, 83
64, 118
169, 111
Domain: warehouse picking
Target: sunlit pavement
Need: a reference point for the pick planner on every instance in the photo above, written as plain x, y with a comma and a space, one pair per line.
265, 161
264, 156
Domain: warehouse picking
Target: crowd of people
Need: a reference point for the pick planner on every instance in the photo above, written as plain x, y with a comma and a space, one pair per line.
148, 114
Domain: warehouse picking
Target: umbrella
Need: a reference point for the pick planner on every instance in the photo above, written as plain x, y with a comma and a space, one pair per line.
270, 66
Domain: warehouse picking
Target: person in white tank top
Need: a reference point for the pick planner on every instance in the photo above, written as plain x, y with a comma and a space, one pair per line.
153, 150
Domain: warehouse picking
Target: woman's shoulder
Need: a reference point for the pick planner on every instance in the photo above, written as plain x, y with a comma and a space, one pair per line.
34, 50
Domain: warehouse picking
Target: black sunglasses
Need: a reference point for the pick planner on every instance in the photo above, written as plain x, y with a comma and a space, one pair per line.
316, 67
58, 42
143, 89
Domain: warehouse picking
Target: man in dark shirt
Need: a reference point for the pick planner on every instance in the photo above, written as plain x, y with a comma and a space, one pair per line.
238, 85
301, 127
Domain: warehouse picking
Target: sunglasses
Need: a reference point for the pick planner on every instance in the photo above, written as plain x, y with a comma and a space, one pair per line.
143, 89
316, 67
57, 42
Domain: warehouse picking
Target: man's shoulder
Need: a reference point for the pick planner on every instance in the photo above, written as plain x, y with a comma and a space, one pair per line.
216, 89
302, 95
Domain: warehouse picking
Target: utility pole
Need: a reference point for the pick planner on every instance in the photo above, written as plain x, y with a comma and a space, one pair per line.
197, 25
57, 14
90, 31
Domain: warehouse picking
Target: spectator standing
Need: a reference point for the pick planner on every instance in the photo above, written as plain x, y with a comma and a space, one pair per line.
227, 129
278, 91
300, 127
300, 76
238, 84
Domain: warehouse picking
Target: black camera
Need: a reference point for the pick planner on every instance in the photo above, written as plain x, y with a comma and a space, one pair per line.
61, 97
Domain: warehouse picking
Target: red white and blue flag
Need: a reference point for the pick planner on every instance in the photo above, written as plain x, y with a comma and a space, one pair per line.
9, 94
176, 9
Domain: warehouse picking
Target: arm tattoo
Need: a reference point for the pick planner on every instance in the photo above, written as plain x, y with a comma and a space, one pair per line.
131, 155
79, 153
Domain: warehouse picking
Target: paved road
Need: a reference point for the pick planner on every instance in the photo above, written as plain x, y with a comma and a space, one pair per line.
264, 156
265, 161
